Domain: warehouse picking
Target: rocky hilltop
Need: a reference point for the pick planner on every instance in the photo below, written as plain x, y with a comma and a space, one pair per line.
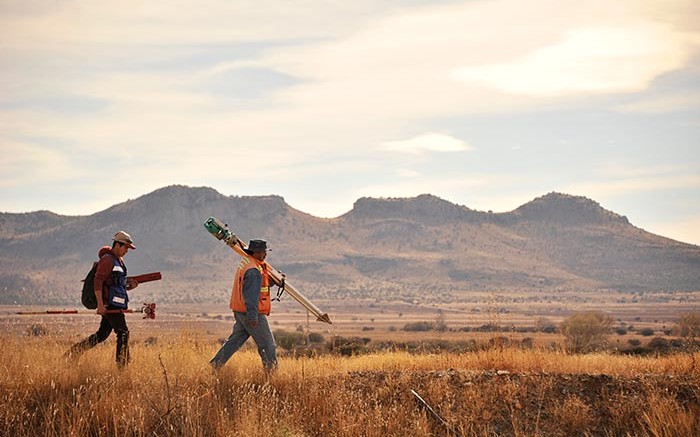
382, 248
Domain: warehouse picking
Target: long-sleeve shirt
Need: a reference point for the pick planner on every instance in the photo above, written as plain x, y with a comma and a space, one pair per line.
252, 282
103, 274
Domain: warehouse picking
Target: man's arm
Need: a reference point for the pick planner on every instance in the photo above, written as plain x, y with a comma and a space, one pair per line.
252, 281
102, 274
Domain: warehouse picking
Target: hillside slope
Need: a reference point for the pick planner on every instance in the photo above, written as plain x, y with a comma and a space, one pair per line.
424, 244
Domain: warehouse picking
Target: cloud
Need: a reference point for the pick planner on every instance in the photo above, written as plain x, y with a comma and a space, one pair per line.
428, 142
589, 60
435, 61
670, 102
608, 188
354, 80
343, 77
686, 229
407, 173
84, 24
25, 162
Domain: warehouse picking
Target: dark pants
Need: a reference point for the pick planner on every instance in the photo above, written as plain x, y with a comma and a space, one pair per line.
116, 322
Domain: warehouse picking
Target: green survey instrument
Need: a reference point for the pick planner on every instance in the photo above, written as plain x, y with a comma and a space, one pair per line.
221, 232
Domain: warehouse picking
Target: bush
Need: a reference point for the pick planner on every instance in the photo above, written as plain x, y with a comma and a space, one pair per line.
349, 346
489, 327
585, 331
689, 325
315, 337
637, 350
634, 342
499, 342
549, 329
440, 324
659, 344
620, 330
646, 332
418, 326
37, 330
544, 325
289, 340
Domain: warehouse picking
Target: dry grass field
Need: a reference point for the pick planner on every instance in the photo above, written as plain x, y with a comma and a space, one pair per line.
495, 389
169, 389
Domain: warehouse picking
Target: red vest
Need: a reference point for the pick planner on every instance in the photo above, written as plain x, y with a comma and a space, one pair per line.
237, 302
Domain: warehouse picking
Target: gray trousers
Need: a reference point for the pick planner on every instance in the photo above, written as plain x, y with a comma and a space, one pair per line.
262, 335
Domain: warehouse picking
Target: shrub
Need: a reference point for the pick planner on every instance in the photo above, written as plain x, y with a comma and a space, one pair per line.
288, 340
440, 324
489, 327
646, 332
349, 346
659, 344
621, 330
634, 342
544, 325
315, 337
37, 330
689, 325
638, 350
499, 342
549, 329
585, 331
418, 326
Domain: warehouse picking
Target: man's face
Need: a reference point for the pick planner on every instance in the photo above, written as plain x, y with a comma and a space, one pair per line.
120, 249
260, 256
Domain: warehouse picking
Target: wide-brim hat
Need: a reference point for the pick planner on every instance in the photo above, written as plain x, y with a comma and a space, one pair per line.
124, 238
256, 245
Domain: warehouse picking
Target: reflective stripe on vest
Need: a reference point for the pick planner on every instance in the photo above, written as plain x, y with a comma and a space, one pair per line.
237, 302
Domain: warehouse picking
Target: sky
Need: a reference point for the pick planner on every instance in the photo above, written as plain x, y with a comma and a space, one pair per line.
484, 103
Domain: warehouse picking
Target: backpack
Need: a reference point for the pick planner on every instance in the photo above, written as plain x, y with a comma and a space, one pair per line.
88, 296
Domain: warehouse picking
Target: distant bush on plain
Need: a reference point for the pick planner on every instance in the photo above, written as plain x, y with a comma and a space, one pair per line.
419, 326
586, 331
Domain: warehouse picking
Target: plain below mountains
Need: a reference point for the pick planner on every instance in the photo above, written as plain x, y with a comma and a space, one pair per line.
386, 249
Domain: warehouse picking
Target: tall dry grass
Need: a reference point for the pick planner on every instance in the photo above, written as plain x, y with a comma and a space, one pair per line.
169, 389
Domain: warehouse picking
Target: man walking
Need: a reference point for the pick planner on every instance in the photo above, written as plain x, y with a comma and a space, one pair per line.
111, 285
250, 302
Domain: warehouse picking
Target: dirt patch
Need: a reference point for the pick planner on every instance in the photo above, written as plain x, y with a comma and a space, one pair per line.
505, 403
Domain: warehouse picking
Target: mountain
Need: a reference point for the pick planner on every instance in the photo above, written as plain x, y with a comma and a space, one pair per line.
390, 249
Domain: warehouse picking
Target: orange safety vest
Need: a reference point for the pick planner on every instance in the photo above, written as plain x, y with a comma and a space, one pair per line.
237, 302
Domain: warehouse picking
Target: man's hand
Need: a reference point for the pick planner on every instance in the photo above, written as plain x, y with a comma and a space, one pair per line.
101, 309
131, 283
252, 323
